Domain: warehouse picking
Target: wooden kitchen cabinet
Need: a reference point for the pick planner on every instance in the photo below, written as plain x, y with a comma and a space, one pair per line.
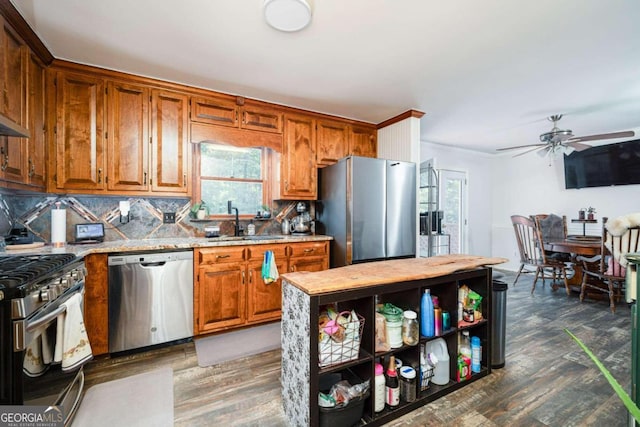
226, 112
229, 290
79, 132
363, 141
36, 121
332, 141
170, 156
13, 150
298, 177
128, 136
309, 256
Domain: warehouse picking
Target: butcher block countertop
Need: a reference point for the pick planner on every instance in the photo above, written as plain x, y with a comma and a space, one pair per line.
383, 272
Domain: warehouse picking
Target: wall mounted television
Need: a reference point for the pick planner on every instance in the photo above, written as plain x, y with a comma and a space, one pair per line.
603, 166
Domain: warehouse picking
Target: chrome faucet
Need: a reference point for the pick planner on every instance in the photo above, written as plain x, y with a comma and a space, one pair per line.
237, 225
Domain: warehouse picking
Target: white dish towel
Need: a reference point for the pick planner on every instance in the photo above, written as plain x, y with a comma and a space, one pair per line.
72, 343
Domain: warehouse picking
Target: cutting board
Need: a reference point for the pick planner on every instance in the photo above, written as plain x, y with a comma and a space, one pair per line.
25, 246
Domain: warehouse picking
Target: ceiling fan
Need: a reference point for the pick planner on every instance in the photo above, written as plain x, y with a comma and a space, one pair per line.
562, 140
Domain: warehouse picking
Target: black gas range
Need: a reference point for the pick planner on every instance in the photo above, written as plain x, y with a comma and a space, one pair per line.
33, 292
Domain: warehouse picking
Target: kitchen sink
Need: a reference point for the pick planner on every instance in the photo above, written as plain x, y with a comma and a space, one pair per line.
262, 237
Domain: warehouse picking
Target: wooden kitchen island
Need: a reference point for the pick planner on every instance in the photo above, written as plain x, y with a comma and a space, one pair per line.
359, 287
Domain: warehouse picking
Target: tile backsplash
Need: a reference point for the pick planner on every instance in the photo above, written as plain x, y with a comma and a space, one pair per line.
33, 211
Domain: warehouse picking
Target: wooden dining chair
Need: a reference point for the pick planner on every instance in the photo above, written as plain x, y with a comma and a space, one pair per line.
603, 272
553, 227
532, 255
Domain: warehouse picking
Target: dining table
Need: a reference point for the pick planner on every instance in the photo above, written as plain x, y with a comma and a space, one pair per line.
576, 245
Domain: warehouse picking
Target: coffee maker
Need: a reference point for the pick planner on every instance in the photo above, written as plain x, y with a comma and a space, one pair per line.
301, 223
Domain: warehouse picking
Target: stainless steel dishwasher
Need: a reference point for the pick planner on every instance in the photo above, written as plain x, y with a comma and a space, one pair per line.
150, 299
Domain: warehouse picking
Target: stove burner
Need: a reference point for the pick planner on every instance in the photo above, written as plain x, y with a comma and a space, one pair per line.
19, 270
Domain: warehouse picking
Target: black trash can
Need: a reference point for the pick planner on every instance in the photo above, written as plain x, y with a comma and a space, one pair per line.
498, 322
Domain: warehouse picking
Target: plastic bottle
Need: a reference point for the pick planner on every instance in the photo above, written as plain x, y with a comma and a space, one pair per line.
392, 387
251, 229
437, 317
465, 345
476, 354
380, 391
426, 315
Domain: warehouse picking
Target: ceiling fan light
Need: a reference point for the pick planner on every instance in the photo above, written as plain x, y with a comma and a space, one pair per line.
287, 15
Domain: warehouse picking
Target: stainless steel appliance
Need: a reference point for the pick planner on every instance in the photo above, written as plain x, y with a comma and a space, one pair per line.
33, 289
150, 299
301, 223
368, 206
632, 296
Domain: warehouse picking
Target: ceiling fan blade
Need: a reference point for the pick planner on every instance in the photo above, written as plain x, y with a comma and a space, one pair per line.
577, 146
612, 135
520, 146
541, 147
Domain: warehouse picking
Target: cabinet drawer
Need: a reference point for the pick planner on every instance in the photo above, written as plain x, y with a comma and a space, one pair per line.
256, 253
221, 255
217, 111
308, 249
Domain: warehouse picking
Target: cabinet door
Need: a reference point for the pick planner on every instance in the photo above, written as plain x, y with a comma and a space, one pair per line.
169, 121
298, 166
308, 264
14, 149
79, 132
36, 119
128, 137
264, 300
216, 111
261, 119
221, 296
363, 142
332, 141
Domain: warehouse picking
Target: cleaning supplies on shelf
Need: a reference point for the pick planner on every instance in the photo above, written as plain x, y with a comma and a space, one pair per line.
441, 371
426, 315
476, 354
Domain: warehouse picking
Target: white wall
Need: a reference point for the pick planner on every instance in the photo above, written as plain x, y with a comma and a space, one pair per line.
479, 209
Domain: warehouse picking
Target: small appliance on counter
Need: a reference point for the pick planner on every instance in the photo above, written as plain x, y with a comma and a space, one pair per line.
18, 236
301, 224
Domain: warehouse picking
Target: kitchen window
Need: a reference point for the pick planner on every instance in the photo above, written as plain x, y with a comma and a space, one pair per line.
232, 173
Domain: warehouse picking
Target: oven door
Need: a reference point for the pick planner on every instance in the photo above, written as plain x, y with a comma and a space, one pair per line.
43, 381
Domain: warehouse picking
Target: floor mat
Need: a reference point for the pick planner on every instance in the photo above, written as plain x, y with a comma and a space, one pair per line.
237, 344
140, 400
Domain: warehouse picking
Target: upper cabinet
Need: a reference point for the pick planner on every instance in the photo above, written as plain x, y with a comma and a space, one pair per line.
235, 113
363, 141
79, 132
332, 141
298, 177
118, 137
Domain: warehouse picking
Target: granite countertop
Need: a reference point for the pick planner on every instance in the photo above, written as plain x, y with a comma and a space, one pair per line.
384, 272
166, 244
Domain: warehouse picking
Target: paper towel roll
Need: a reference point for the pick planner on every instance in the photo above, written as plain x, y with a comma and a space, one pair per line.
58, 227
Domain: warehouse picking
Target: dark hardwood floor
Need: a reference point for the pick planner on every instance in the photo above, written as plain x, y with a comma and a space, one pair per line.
547, 380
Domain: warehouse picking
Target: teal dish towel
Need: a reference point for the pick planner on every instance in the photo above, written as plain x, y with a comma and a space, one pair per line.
269, 268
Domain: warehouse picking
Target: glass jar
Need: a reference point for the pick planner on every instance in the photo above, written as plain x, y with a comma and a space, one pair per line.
410, 328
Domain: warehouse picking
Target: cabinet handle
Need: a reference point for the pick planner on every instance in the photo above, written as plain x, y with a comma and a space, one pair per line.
5, 160
244, 117
306, 251
184, 180
222, 256
144, 181
32, 168
251, 276
99, 176
243, 277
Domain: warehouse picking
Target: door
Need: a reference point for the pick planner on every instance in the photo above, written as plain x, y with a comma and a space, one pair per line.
366, 224
401, 209
453, 201
298, 166
221, 296
36, 121
128, 137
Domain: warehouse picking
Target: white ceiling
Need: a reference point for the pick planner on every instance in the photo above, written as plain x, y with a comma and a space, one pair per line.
486, 72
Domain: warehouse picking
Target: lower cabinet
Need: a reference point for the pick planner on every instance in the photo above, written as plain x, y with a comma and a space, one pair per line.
306, 360
229, 289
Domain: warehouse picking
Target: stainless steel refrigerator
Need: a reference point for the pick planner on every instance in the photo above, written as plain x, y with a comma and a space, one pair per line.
369, 207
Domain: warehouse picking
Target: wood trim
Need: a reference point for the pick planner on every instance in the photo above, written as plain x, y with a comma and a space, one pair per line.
96, 316
411, 113
13, 18
239, 137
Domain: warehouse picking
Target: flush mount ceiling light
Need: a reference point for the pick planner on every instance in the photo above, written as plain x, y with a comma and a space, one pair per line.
287, 15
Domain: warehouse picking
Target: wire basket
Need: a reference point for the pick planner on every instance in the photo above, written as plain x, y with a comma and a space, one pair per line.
426, 376
339, 340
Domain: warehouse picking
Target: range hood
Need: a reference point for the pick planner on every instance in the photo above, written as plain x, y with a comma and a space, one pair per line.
10, 128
